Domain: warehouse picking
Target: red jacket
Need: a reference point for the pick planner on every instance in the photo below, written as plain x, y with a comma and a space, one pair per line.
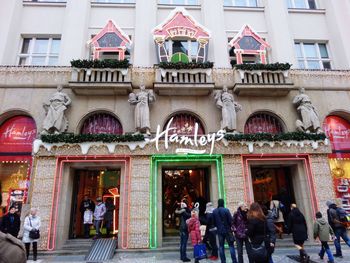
194, 231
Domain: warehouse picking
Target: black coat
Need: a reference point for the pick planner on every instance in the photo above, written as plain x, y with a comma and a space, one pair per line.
297, 225
87, 204
184, 214
257, 231
8, 227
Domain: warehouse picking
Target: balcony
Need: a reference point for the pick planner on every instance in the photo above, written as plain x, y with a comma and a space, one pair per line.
99, 79
190, 81
262, 82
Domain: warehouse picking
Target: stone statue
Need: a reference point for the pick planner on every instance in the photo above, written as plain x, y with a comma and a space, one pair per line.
142, 101
55, 121
309, 117
229, 108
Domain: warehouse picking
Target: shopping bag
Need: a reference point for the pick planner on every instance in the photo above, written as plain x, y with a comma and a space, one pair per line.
200, 251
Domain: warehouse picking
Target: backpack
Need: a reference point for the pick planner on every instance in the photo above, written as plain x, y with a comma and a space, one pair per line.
342, 215
275, 211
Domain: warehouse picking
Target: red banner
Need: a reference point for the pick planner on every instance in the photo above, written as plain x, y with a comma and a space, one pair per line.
338, 131
17, 134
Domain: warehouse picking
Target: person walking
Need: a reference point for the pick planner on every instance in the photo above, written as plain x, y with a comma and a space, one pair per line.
86, 205
184, 212
240, 227
277, 215
297, 226
257, 233
31, 223
322, 230
108, 217
100, 210
271, 232
335, 215
193, 230
211, 231
11, 222
223, 222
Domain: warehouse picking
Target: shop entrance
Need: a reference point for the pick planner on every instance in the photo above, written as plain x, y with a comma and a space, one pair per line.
94, 183
273, 182
182, 183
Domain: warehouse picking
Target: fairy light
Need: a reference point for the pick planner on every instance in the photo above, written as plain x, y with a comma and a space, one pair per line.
158, 159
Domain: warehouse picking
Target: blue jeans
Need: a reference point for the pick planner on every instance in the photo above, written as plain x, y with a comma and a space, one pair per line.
183, 244
230, 240
325, 249
98, 224
340, 233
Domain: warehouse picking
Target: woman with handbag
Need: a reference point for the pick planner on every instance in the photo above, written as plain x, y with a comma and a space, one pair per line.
257, 233
31, 233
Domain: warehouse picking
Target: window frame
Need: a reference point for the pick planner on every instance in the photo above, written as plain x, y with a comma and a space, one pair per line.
319, 58
171, 2
291, 4
233, 4
192, 57
45, 1
29, 56
113, 2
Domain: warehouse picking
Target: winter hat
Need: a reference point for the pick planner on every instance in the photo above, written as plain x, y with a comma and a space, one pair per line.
210, 208
221, 203
183, 205
318, 215
196, 207
98, 199
329, 203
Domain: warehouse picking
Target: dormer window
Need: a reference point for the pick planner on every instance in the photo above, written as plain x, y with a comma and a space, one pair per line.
181, 39
111, 42
248, 47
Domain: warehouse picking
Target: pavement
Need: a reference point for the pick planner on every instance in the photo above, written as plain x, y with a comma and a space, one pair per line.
280, 256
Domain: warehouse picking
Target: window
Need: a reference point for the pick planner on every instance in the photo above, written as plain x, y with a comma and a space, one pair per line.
312, 55
263, 123
46, 1
184, 124
188, 47
179, 2
303, 4
115, 1
39, 51
246, 3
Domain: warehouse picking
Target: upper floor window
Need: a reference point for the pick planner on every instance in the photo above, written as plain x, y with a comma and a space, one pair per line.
47, 1
263, 123
176, 49
115, 1
246, 3
39, 51
312, 55
303, 4
179, 2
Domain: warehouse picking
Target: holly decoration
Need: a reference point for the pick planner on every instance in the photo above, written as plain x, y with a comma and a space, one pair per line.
182, 65
106, 63
289, 136
258, 66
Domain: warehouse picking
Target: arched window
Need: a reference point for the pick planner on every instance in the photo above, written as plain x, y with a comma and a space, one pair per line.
17, 134
337, 130
185, 124
102, 123
263, 122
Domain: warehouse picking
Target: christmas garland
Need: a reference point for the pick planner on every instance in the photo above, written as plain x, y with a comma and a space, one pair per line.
181, 65
80, 138
259, 66
106, 63
289, 136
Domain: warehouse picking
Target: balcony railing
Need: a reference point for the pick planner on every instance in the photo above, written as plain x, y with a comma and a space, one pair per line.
184, 81
100, 81
258, 82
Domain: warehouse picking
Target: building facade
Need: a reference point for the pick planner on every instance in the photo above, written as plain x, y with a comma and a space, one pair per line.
171, 125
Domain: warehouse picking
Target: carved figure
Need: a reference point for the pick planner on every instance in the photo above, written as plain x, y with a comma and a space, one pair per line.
55, 121
229, 108
309, 117
142, 101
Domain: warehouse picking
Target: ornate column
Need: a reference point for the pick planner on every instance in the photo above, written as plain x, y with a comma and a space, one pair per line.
239, 57
201, 57
162, 53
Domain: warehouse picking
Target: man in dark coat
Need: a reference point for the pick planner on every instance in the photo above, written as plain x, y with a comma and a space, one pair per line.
11, 222
339, 229
223, 222
184, 212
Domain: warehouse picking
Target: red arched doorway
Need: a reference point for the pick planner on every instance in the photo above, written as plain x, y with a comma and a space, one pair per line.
16, 140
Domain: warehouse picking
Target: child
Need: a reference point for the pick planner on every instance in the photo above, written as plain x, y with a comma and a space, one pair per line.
321, 231
193, 229
87, 222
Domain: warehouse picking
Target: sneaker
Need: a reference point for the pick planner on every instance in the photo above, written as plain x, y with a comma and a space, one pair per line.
186, 260
213, 258
337, 256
